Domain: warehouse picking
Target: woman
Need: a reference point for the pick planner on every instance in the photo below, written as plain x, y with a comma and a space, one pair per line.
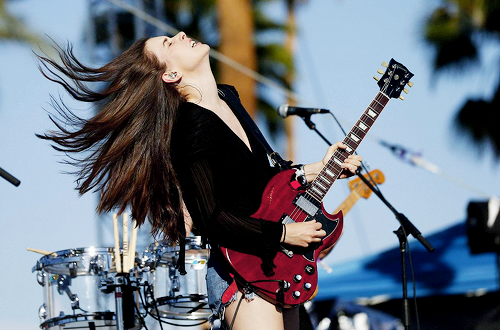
166, 135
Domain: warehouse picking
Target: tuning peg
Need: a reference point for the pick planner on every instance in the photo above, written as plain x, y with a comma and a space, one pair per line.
410, 84
401, 98
376, 78
380, 71
384, 64
405, 90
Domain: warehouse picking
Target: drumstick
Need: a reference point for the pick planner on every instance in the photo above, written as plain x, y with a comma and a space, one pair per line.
132, 246
118, 261
42, 252
125, 242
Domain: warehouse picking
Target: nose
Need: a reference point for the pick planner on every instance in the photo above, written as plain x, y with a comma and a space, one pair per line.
181, 35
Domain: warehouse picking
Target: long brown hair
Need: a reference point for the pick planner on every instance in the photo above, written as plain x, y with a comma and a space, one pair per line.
127, 142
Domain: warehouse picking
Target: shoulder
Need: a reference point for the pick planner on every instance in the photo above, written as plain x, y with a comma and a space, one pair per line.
194, 126
192, 115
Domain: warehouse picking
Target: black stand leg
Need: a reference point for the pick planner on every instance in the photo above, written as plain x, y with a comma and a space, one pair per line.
4, 174
400, 233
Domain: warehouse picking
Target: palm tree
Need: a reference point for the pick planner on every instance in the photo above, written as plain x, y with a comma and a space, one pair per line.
457, 31
234, 27
236, 30
12, 28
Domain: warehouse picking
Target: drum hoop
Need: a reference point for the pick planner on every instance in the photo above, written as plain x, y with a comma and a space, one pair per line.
70, 255
98, 316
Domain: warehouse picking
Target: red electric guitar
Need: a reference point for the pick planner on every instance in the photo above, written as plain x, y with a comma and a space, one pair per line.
295, 275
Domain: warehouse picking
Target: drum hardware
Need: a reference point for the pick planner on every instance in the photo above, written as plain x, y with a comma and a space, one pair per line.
40, 278
42, 312
122, 285
72, 269
63, 284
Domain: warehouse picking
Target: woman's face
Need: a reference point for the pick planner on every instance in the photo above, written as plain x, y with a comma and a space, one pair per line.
179, 53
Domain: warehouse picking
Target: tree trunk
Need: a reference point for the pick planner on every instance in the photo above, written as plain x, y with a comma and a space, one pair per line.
290, 47
236, 28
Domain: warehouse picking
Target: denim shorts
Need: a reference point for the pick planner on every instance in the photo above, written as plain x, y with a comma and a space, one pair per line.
218, 280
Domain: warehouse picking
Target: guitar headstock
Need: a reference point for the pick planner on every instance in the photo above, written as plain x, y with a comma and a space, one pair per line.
394, 79
361, 188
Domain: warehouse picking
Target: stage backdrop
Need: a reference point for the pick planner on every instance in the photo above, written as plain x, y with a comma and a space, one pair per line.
450, 269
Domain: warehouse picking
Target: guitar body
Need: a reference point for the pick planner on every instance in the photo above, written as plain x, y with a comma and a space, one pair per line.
295, 276
295, 265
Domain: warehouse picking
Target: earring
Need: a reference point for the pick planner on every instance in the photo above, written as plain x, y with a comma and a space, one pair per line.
172, 75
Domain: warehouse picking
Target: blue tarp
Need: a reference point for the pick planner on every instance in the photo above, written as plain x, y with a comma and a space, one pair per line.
450, 269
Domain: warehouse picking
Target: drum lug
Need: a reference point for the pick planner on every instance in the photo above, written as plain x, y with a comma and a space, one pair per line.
175, 284
75, 302
72, 269
96, 265
40, 278
63, 284
42, 312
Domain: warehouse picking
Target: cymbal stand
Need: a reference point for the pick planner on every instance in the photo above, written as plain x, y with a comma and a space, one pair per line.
123, 285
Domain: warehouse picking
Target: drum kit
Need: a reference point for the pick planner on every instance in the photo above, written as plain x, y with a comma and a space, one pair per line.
83, 290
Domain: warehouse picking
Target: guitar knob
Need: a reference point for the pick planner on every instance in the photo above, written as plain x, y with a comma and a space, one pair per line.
297, 278
309, 270
296, 294
307, 286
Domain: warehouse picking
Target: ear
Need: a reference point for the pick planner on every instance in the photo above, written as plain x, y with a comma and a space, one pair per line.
171, 77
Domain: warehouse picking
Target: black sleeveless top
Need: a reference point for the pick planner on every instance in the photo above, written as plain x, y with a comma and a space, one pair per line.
222, 181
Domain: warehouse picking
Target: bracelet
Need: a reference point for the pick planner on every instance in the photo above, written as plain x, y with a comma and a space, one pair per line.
284, 234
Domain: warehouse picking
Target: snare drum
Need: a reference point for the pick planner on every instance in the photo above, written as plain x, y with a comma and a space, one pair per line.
72, 298
181, 297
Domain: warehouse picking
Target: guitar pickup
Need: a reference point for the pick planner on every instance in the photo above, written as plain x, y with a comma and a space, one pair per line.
288, 253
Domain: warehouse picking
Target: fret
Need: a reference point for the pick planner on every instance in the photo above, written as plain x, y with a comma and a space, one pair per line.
329, 173
317, 192
324, 179
361, 121
321, 186
372, 113
337, 161
354, 137
359, 133
362, 126
376, 104
367, 120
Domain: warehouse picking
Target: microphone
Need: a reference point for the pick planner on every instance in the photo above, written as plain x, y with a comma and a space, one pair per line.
285, 110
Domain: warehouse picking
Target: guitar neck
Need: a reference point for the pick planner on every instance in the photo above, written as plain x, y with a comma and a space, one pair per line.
348, 203
332, 169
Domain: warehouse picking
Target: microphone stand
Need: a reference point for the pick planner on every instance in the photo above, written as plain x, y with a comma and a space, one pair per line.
4, 174
406, 228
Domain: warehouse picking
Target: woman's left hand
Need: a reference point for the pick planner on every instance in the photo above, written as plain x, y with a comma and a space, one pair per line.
350, 165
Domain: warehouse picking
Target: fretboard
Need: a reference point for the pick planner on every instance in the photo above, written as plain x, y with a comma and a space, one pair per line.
331, 171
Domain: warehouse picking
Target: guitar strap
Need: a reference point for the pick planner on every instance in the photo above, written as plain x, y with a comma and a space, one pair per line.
229, 94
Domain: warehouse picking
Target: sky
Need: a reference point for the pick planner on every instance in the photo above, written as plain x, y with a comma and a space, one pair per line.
339, 48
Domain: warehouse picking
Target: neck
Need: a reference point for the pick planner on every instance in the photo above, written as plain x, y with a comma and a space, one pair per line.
209, 97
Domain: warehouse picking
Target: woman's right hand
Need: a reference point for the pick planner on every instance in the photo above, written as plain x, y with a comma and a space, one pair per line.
303, 233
